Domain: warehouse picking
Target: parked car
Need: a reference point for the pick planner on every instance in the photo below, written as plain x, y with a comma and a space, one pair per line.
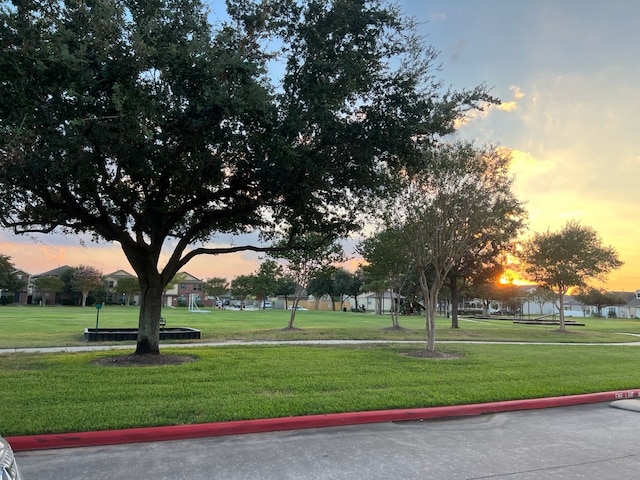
9, 467
298, 307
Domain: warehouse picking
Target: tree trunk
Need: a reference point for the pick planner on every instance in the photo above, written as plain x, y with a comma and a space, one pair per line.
149, 320
430, 295
84, 298
453, 286
561, 303
292, 317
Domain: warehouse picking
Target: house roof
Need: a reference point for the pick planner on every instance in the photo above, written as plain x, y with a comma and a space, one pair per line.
119, 274
56, 272
385, 295
634, 303
188, 278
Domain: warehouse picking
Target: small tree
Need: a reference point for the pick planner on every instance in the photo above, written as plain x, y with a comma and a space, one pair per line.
266, 280
387, 269
567, 258
216, 286
86, 279
347, 285
541, 296
599, 298
321, 284
128, 286
242, 286
311, 257
48, 285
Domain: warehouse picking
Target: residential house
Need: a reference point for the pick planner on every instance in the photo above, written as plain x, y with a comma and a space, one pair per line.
375, 302
21, 296
629, 310
57, 297
188, 285
111, 283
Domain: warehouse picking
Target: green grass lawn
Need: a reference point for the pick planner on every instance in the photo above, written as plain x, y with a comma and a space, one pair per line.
27, 326
56, 393
52, 393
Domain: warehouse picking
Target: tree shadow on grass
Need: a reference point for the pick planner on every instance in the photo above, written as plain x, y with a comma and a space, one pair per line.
434, 355
133, 360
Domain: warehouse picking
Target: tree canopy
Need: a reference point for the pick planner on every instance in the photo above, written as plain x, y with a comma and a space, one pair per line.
460, 204
85, 279
598, 298
128, 286
567, 258
141, 123
8, 278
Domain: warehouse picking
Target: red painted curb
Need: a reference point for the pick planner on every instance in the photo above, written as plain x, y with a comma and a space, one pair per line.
182, 432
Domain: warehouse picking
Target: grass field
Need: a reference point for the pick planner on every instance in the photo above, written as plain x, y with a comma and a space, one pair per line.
51, 393
27, 326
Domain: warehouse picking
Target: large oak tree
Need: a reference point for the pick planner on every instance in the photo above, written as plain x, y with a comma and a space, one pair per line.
142, 124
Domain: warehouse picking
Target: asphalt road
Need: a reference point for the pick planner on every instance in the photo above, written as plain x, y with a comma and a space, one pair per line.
592, 441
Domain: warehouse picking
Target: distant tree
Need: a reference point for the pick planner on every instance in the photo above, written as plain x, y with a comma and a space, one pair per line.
215, 287
567, 258
542, 296
346, 285
476, 268
287, 286
599, 298
488, 291
147, 125
321, 284
8, 278
266, 280
243, 286
86, 279
510, 297
68, 291
386, 269
129, 287
46, 286
302, 264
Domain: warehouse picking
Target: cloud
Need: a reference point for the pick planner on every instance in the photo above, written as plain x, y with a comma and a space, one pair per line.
526, 167
507, 106
517, 93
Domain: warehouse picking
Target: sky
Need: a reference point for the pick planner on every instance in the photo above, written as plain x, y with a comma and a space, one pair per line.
568, 75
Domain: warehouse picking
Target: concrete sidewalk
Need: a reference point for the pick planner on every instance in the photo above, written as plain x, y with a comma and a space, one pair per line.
566, 443
231, 343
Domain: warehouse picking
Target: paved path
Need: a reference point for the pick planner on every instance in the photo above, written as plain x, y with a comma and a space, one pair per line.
578, 442
130, 346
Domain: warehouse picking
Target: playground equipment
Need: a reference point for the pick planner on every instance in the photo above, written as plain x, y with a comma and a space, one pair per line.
193, 304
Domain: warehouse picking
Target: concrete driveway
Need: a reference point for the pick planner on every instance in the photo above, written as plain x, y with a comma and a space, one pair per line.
577, 442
